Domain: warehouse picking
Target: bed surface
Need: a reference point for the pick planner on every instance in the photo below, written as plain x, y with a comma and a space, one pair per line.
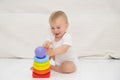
89, 69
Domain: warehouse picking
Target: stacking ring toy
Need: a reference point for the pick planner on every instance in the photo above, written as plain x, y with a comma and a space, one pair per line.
41, 64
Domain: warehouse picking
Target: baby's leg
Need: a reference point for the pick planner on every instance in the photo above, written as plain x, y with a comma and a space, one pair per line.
65, 67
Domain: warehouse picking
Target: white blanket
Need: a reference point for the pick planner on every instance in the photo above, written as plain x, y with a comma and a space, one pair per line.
89, 69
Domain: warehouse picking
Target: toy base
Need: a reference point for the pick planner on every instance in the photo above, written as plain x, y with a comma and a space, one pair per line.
34, 75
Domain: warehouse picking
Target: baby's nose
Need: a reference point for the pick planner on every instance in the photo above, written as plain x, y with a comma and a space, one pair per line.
56, 30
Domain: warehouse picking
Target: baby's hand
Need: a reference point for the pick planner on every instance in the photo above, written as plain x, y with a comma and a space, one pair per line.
50, 51
46, 44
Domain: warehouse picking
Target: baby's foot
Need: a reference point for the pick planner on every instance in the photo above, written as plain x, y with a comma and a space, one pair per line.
56, 68
31, 68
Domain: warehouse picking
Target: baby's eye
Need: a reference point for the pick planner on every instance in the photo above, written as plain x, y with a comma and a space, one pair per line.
52, 28
58, 27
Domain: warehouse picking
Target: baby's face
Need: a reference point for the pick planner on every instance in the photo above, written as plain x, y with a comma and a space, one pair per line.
59, 27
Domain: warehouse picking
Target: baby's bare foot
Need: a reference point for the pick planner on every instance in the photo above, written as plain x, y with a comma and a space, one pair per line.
56, 68
31, 68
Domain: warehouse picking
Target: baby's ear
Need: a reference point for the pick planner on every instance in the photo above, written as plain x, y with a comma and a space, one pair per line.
67, 24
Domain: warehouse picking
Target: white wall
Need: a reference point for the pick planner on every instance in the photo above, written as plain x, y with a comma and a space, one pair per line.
94, 25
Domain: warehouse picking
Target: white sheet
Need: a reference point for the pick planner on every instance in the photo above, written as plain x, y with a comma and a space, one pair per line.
89, 69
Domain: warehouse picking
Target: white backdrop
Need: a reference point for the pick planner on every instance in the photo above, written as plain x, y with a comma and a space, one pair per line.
94, 26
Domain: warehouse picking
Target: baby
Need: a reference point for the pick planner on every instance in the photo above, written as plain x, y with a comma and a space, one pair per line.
61, 42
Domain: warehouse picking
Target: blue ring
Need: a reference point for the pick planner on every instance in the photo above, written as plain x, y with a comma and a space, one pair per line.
41, 57
41, 60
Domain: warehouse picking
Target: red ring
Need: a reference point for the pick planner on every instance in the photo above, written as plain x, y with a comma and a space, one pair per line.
34, 75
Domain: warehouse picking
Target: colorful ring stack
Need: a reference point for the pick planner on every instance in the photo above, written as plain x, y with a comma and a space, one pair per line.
41, 64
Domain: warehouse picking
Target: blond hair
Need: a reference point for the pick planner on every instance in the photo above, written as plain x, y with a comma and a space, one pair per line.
56, 15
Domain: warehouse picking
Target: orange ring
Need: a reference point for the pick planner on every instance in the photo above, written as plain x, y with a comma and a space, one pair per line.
41, 71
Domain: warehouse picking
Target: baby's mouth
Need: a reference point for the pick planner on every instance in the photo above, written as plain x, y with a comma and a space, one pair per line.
57, 34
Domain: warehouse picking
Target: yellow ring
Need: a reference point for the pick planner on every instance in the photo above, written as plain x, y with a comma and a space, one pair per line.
42, 67
40, 64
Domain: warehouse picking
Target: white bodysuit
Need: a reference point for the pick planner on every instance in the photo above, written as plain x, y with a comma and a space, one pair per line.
69, 55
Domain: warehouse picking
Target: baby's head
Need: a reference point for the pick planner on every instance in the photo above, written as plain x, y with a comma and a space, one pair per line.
58, 23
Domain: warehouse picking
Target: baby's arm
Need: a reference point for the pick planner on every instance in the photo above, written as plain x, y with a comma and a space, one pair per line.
62, 49
46, 45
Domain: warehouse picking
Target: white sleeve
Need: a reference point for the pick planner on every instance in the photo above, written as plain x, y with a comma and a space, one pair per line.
67, 40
